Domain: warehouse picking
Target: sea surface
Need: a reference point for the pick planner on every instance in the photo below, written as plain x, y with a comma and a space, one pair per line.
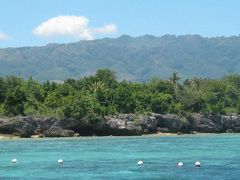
117, 157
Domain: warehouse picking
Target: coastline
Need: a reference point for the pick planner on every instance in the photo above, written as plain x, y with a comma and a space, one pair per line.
121, 125
8, 136
11, 136
14, 137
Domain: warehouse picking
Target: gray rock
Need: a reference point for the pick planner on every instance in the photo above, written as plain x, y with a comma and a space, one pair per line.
9, 125
22, 126
44, 124
173, 122
148, 124
229, 131
193, 132
179, 133
26, 130
69, 123
206, 123
55, 131
123, 125
232, 122
76, 135
163, 130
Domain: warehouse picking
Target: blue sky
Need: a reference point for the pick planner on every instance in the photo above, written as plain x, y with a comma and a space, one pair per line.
21, 21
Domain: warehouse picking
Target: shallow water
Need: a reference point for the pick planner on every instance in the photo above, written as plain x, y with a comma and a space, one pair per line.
116, 157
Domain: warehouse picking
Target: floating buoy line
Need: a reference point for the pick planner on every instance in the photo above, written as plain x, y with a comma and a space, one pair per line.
139, 163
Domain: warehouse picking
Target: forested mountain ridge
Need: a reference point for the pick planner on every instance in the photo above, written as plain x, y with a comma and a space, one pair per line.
135, 59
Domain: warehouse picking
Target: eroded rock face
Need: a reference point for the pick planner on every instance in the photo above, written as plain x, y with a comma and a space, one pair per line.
172, 122
121, 125
206, 123
130, 124
21, 126
215, 123
28, 126
231, 123
148, 124
56, 131
163, 130
8, 126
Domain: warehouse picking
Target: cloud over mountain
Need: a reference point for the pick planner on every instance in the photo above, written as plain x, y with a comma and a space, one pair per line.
71, 26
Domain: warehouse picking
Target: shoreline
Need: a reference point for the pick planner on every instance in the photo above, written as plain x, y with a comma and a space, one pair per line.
8, 136
121, 125
14, 137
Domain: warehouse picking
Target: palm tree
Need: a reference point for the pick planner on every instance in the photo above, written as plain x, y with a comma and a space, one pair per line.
94, 87
197, 82
175, 78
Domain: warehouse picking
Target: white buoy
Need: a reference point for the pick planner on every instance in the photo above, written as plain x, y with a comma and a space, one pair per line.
197, 164
180, 164
140, 163
60, 161
14, 161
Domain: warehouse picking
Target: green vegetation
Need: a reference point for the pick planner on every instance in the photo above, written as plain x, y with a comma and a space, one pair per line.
91, 98
134, 59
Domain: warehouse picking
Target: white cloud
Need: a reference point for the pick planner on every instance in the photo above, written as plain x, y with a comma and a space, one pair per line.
4, 36
110, 28
71, 26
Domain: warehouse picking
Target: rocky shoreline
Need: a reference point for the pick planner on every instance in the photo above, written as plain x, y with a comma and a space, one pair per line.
120, 125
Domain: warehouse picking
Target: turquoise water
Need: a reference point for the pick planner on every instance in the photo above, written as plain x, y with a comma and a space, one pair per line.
116, 157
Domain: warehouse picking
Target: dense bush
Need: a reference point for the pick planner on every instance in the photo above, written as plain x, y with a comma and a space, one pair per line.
93, 97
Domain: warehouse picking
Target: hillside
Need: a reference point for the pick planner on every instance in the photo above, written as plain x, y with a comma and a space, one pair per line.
135, 59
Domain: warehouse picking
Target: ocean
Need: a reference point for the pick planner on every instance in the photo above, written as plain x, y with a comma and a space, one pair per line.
117, 157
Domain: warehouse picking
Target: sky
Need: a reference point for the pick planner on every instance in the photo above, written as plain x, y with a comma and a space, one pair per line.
39, 22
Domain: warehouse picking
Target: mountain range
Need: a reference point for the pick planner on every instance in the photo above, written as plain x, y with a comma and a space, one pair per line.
134, 59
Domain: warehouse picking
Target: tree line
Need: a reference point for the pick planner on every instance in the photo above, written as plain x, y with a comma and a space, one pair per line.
93, 97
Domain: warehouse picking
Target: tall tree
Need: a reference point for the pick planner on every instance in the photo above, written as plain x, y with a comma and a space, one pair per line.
175, 77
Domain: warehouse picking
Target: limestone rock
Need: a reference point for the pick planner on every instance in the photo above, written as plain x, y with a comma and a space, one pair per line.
55, 131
